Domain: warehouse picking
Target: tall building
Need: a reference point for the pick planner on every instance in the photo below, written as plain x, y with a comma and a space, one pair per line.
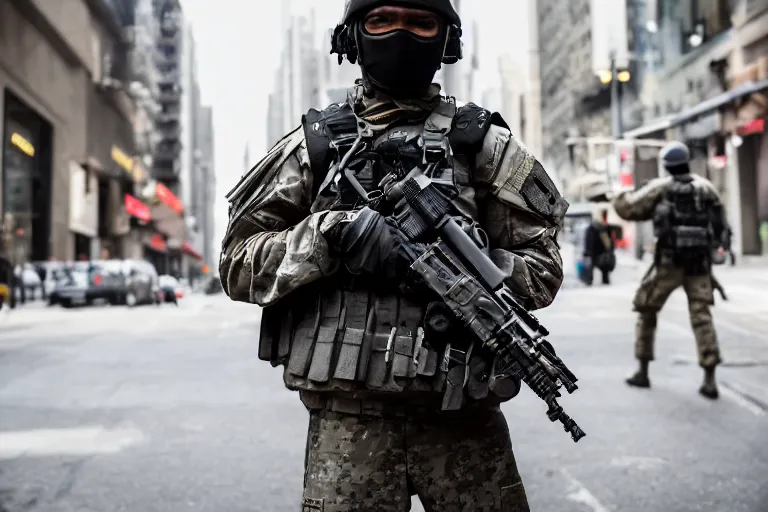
574, 103
297, 80
167, 158
206, 184
512, 95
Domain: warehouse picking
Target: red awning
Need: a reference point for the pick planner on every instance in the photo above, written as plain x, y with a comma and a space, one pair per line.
136, 208
187, 249
168, 198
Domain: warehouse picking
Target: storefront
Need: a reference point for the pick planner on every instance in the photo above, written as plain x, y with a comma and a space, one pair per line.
26, 181
167, 213
156, 252
84, 212
751, 143
110, 149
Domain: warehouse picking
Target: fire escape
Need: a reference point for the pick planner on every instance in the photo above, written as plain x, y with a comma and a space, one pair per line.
167, 164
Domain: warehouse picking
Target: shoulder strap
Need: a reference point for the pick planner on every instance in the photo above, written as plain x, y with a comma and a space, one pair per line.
326, 132
436, 129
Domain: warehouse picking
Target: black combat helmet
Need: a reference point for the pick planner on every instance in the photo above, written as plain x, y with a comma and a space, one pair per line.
675, 157
355, 8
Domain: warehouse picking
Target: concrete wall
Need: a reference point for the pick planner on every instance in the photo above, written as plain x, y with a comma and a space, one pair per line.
34, 71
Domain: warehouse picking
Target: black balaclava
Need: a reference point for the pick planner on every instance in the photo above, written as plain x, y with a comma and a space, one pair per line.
399, 63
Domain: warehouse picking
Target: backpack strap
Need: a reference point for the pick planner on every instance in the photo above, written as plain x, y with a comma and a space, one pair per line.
436, 128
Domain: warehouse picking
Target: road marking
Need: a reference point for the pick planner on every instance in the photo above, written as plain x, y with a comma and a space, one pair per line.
580, 494
736, 394
77, 441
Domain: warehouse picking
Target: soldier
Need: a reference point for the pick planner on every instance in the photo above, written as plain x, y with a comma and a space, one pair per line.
688, 220
369, 353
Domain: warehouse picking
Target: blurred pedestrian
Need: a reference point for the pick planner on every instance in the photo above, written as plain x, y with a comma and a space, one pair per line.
688, 219
599, 249
42, 272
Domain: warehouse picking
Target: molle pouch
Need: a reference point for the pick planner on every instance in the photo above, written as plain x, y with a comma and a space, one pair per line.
477, 385
383, 345
350, 358
691, 237
304, 341
331, 322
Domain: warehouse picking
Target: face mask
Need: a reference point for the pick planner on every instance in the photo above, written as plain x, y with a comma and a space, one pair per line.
400, 63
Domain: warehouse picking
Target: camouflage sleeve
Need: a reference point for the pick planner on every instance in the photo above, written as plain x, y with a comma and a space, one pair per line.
273, 244
638, 205
521, 211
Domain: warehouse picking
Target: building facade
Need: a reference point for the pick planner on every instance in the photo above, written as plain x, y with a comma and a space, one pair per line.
710, 90
574, 103
204, 208
297, 80
67, 131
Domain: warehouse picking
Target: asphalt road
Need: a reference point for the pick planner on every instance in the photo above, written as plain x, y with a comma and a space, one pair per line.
168, 409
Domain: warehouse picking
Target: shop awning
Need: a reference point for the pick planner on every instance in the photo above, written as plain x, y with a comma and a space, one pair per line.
704, 107
169, 222
187, 248
587, 185
136, 208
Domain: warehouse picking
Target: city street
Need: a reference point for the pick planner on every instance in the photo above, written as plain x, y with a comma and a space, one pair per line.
168, 409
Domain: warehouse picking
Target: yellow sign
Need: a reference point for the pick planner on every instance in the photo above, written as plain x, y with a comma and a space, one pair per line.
122, 159
23, 144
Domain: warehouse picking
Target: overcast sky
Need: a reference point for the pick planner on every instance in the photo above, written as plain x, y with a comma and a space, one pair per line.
238, 45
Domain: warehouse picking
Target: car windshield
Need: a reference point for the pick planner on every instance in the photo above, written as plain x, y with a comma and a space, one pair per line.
71, 277
169, 281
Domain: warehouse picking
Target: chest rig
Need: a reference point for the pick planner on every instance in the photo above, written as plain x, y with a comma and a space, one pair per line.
341, 143
356, 343
682, 223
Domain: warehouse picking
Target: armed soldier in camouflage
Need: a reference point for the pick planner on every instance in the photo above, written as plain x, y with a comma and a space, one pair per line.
372, 357
689, 221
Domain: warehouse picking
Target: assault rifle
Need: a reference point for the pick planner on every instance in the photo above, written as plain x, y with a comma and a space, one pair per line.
472, 286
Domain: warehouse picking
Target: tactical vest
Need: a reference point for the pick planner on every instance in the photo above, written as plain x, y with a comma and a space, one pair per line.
340, 337
682, 224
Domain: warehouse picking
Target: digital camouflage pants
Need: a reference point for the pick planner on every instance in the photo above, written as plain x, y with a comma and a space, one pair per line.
455, 462
656, 287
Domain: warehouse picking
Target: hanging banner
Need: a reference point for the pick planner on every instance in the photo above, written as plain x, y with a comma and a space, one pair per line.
168, 198
136, 208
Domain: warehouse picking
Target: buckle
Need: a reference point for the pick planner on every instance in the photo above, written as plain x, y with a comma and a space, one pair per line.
435, 147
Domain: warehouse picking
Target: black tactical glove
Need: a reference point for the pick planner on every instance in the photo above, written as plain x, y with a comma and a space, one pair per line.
374, 244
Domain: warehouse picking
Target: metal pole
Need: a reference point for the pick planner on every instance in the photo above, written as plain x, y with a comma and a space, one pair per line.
615, 99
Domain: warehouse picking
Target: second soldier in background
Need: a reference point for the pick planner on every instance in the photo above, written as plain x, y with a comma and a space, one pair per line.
689, 221
369, 354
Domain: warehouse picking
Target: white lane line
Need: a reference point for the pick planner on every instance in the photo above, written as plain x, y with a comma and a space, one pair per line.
580, 494
76, 441
736, 393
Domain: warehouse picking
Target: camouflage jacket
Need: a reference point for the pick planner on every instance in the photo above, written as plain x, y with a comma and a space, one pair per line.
275, 244
639, 205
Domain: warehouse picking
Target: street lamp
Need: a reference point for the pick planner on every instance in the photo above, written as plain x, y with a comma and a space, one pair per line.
614, 76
